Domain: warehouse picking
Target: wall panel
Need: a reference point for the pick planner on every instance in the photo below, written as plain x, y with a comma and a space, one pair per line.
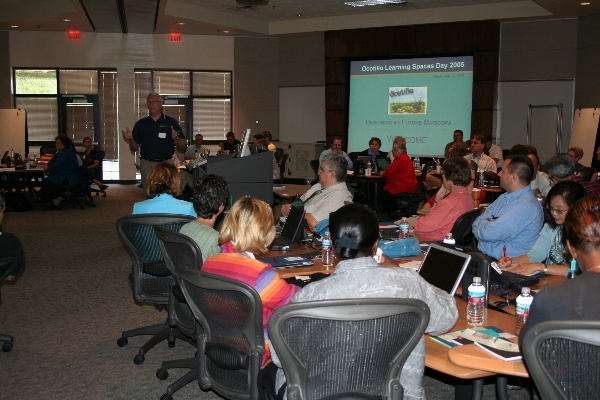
479, 38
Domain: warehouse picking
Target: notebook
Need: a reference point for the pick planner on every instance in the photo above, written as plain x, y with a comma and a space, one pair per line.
291, 230
287, 261
443, 267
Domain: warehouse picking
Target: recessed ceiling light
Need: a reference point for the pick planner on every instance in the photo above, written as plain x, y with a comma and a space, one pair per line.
14, 26
363, 3
585, 3
67, 20
298, 15
181, 23
225, 31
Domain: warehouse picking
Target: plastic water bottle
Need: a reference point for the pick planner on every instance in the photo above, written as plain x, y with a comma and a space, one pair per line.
403, 228
572, 268
449, 239
481, 179
368, 169
539, 199
327, 251
523, 303
475, 307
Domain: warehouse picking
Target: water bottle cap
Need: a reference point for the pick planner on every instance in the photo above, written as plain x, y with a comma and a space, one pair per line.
525, 290
476, 279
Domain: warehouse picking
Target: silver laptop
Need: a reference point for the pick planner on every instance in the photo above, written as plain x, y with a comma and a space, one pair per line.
444, 267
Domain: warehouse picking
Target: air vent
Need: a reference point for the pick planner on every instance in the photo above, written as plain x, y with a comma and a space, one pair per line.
251, 2
399, 5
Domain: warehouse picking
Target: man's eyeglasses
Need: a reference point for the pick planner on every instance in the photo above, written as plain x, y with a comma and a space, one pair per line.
154, 101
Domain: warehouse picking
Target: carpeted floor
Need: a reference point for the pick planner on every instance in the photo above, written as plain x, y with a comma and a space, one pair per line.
71, 304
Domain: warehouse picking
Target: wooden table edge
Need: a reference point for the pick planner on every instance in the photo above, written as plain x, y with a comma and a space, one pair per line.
472, 355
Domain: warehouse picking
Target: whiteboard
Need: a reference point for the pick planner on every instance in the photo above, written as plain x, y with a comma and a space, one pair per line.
302, 114
544, 132
585, 127
513, 104
12, 130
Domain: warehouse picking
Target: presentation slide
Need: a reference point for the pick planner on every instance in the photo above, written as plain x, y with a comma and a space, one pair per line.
423, 99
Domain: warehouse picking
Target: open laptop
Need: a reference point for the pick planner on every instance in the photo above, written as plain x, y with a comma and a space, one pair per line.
292, 230
444, 267
382, 164
365, 159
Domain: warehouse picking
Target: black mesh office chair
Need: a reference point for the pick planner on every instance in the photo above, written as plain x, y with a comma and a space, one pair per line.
75, 194
282, 166
7, 266
230, 345
347, 349
100, 176
406, 204
150, 279
563, 358
314, 164
181, 253
278, 155
462, 230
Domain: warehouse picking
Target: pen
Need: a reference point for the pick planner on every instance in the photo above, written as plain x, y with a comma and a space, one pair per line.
275, 259
505, 259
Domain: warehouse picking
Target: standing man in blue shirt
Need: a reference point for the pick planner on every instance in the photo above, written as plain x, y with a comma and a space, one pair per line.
515, 219
155, 134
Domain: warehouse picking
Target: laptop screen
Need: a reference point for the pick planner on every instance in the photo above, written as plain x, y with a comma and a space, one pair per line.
293, 223
365, 159
444, 268
382, 163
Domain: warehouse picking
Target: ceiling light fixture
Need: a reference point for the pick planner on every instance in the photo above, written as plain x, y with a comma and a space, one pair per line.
67, 20
14, 26
181, 23
585, 3
225, 31
363, 3
298, 15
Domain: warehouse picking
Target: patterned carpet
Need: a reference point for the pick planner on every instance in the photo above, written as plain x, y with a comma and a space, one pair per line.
71, 304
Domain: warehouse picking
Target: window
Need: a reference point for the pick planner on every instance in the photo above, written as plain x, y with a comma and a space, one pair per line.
35, 82
78, 103
42, 117
200, 100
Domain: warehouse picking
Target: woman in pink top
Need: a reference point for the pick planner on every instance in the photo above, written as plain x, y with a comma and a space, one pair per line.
455, 202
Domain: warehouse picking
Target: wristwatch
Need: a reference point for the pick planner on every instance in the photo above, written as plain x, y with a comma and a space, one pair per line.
545, 268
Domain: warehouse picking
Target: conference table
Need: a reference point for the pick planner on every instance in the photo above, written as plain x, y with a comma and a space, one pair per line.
287, 191
20, 179
468, 363
366, 183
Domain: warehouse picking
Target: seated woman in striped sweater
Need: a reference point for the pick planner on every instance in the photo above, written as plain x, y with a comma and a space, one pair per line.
248, 228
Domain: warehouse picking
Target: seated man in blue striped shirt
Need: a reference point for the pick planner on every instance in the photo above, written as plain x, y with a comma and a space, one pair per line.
515, 219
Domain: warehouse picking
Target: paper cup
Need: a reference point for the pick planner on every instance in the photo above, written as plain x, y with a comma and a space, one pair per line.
438, 169
476, 194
